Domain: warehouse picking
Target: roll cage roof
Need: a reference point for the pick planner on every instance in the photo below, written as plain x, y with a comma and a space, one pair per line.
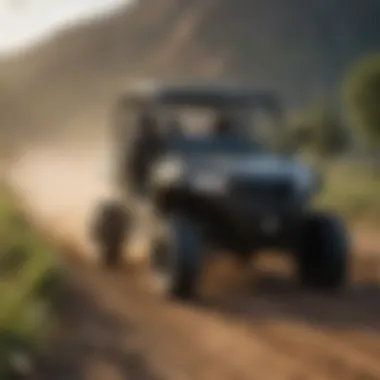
217, 96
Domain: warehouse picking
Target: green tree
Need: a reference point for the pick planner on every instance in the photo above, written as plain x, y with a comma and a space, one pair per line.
320, 131
361, 99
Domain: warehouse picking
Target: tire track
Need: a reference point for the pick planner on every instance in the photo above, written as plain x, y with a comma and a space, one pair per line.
325, 349
204, 345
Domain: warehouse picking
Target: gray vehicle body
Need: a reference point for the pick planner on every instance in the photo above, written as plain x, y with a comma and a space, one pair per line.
185, 194
243, 202
243, 197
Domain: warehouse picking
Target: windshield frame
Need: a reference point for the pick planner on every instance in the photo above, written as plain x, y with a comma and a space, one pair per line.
242, 122
215, 145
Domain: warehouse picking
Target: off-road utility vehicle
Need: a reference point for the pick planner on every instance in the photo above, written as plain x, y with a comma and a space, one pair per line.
210, 161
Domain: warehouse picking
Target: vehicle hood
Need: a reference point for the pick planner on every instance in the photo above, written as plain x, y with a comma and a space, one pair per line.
245, 166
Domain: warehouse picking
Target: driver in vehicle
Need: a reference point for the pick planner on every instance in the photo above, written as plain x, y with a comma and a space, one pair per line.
174, 127
223, 125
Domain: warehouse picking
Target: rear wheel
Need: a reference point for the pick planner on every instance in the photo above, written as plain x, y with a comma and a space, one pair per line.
323, 252
109, 231
177, 259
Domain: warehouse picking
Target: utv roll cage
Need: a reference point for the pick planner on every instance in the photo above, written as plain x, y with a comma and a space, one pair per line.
217, 96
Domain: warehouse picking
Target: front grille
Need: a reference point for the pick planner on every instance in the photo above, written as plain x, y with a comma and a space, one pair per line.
275, 190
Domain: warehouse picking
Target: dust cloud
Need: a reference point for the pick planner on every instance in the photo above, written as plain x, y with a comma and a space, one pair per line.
61, 187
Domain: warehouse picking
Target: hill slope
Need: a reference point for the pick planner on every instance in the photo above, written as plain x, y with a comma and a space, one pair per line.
299, 47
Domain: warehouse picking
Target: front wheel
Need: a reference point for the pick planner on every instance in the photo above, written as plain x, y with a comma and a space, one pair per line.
323, 252
177, 259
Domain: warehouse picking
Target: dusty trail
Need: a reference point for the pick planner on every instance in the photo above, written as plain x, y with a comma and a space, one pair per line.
113, 330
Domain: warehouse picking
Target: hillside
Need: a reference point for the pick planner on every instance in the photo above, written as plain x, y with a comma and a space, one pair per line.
299, 47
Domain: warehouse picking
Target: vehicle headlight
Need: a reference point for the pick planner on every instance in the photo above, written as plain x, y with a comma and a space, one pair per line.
168, 172
209, 183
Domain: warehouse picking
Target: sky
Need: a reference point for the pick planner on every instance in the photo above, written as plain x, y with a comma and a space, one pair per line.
26, 22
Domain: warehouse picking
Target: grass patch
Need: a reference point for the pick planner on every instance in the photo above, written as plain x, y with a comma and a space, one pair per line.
353, 190
28, 285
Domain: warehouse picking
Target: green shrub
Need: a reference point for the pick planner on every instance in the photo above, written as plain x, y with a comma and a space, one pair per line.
28, 284
351, 190
361, 97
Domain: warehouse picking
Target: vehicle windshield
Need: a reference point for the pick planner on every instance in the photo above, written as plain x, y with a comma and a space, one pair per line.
209, 130
214, 145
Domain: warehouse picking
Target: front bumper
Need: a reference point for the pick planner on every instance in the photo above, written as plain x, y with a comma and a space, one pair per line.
260, 227
234, 220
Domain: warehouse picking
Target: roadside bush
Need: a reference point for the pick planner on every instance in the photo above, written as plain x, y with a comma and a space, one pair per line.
29, 283
361, 99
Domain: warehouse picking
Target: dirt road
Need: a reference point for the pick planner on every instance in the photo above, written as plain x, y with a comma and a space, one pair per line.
113, 330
